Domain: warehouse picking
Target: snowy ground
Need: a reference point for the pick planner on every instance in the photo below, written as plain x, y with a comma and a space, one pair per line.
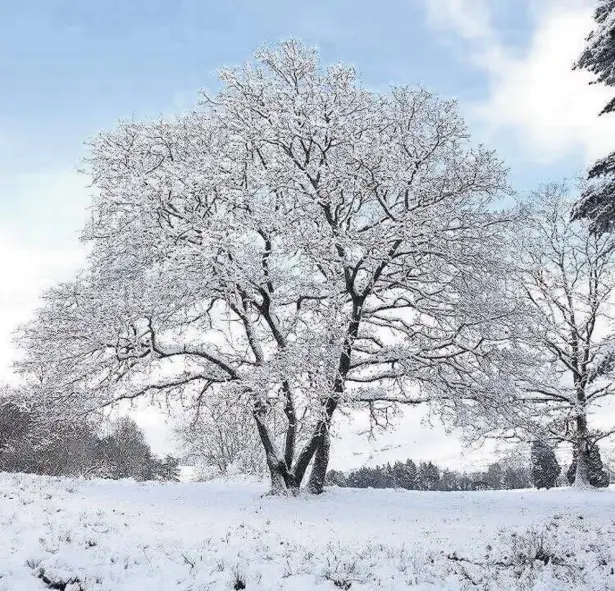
122, 536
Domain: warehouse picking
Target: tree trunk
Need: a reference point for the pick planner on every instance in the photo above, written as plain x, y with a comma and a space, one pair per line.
318, 448
278, 484
316, 482
286, 475
581, 449
282, 481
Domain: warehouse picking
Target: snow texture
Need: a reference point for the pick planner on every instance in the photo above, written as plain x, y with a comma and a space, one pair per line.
120, 536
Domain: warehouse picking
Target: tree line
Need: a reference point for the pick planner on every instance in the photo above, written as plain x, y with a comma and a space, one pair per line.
299, 247
30, 443
541, 471
427, 476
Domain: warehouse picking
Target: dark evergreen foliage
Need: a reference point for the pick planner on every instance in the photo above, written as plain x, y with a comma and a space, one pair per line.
545, 467
404, 475
597, 202
335, 478
428, 476
168, 469
366, 477
598, 57
494, 477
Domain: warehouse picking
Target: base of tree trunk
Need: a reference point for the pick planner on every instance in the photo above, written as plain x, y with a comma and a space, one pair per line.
285, 492
581, 479
580, 484
283, 484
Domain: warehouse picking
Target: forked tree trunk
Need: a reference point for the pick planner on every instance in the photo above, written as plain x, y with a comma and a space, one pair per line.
283, 482
287, 473
286, 477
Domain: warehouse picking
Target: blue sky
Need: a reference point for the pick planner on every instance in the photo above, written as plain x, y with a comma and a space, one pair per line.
72, 68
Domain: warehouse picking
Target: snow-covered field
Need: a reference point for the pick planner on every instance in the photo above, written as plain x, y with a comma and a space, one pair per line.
121, 536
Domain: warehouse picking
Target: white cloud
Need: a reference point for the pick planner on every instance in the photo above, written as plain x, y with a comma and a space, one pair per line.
39, 226
469, 18
470, 21
534, 94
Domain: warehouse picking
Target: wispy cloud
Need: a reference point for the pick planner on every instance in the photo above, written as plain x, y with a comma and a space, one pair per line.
39, 226
534, 93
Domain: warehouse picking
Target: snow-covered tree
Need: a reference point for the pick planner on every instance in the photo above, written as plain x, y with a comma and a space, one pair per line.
124, 452
168, 469
494, 476
428, 476
335, 478
15, 420
219, 440
296, 244
449, 480
34, 442
404, 474
598, 199
598, 57
545, 467
366, 477
516, 477
566, 277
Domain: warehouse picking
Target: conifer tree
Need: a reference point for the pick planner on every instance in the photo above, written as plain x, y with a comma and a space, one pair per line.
411, 475
169, 469
404, 475
335, 478
598, 199
428, 476
545, 467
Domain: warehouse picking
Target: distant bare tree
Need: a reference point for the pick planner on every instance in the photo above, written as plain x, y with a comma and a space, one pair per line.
219, 440
567, 278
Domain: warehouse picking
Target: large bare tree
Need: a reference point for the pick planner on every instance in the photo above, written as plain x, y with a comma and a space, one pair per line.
296, 243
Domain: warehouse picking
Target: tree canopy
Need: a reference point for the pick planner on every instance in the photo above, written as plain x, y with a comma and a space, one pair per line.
295, 244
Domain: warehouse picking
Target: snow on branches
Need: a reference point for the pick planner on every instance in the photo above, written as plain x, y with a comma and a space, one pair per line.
565, 277
598, 57
297, 242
